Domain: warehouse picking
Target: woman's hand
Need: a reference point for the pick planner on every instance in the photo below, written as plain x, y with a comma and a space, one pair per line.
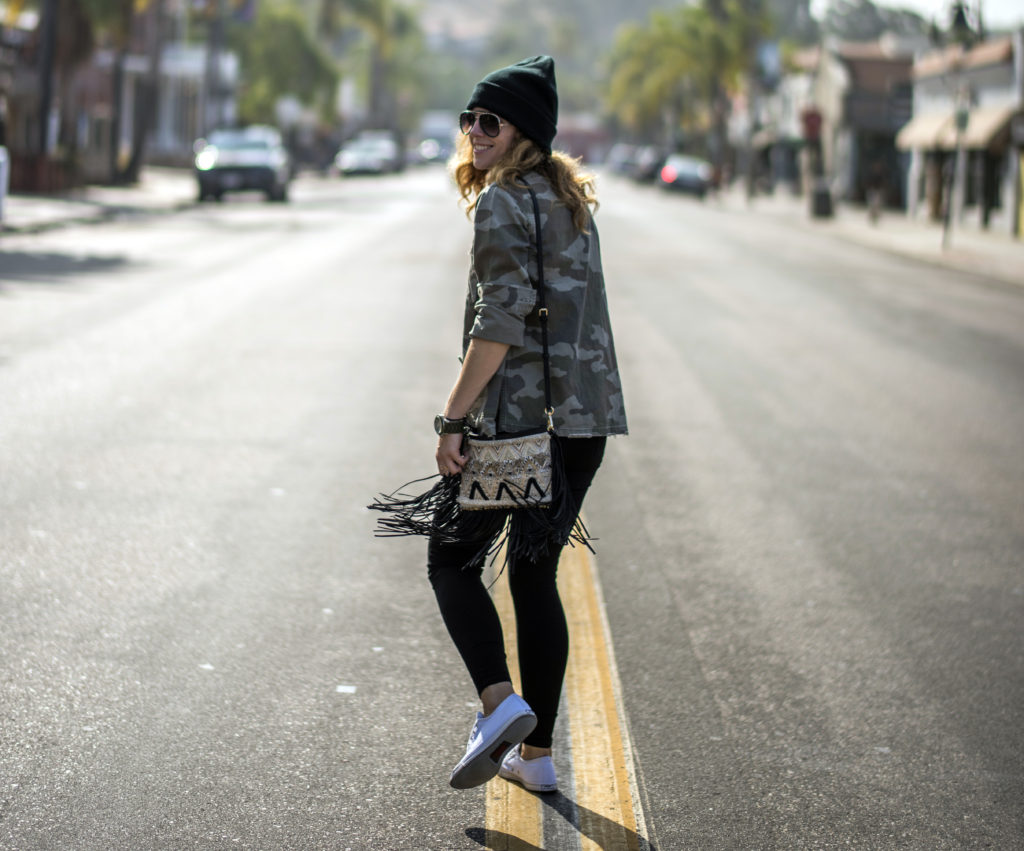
483, 357
450, 459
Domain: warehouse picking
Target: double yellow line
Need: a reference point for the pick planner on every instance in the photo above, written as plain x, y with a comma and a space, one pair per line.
603, 787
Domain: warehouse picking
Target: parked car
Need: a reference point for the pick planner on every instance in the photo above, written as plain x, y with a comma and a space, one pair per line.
647, 162
237, 160
431, 150
370, 153
686, 174
621, 158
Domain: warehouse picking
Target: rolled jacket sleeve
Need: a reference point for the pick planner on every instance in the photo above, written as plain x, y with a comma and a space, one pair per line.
501, 254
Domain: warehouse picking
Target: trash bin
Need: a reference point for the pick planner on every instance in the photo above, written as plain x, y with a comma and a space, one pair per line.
5, 178
821, 200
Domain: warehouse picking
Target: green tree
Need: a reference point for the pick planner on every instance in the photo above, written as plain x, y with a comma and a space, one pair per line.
660, 73
279, 57
391, 56
669, 77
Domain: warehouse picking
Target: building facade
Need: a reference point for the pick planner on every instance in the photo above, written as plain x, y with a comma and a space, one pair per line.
863, 93
98, 108
966, 137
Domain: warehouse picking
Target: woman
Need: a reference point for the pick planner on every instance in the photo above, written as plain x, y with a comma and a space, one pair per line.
508, 127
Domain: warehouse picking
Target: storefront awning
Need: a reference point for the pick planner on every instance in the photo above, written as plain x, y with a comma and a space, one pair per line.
984, 124
925, 131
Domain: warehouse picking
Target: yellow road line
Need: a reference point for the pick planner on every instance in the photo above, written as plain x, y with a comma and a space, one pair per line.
602, 762
605, 789
513, 814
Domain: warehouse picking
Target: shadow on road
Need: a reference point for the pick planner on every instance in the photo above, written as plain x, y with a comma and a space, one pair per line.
605, 833
51, 267
497, 840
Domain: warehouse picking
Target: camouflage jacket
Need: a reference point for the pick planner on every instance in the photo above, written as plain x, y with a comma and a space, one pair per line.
501, 306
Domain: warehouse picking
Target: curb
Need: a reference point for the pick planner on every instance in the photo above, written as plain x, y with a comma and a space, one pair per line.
104, 213
1001, 262
159, 191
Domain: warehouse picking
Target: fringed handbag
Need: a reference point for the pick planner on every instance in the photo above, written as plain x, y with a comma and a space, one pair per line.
519, 477
506, 472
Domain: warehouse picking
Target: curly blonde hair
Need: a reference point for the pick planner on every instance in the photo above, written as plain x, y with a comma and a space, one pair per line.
574, 188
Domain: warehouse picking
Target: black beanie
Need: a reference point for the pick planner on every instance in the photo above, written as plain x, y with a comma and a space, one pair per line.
525, 95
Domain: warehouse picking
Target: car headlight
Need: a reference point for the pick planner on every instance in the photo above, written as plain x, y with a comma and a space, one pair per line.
206, 159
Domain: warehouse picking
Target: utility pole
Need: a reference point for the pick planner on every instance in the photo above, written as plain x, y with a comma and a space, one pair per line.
47, 58
963, 35
213, 106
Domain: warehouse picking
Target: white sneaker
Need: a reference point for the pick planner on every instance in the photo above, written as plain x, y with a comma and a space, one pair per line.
537, 775
491, 737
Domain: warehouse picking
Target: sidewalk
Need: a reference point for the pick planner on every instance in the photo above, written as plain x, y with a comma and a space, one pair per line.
994, 255
158, 190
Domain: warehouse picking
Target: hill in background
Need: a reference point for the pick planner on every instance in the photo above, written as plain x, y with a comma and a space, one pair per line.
470, 39
595, 20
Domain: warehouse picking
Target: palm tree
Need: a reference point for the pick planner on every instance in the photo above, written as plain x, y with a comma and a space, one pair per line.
388, 24
659, 72
674, 71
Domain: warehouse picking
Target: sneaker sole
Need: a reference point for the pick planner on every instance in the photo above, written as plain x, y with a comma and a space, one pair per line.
484, 764
532, 787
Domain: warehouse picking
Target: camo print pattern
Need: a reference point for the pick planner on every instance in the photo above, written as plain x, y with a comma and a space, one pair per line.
500, 306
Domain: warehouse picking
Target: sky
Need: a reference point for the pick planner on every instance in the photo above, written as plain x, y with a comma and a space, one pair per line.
998, 14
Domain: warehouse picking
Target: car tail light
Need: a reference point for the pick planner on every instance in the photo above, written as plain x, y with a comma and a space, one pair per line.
668, 174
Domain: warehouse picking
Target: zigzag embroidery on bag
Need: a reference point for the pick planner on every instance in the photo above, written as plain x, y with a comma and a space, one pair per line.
504, 488
533, 484
477, 492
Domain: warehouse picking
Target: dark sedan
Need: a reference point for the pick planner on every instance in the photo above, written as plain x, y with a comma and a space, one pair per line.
686, 174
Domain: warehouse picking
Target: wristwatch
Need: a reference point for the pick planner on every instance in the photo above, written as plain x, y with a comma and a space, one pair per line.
443, 425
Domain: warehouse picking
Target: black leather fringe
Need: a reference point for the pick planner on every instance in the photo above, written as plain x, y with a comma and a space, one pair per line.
527, 531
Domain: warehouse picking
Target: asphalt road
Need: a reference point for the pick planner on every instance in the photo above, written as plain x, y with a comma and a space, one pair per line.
810, 550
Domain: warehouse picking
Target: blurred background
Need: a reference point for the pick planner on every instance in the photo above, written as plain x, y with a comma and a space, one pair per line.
912, 104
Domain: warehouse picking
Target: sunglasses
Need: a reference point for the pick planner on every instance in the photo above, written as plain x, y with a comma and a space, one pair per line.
490, 124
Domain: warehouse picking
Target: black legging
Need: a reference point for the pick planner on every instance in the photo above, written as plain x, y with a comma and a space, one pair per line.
541, 630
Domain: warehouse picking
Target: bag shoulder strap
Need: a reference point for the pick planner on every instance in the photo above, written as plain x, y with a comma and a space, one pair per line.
542, 312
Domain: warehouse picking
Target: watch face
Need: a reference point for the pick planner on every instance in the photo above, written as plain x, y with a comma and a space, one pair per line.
438, 423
